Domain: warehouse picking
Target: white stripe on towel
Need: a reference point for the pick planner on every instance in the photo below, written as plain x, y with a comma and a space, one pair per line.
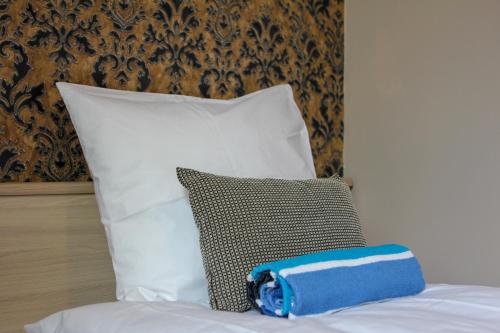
318, 266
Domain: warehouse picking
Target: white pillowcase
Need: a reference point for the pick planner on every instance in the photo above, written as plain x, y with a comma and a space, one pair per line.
134, 141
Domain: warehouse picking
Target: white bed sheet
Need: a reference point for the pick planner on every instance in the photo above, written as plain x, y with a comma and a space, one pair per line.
440, 308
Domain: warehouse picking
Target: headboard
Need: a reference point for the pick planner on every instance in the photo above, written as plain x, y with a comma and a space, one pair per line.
53, 251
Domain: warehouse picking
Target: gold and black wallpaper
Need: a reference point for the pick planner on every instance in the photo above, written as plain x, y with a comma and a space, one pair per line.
209, 48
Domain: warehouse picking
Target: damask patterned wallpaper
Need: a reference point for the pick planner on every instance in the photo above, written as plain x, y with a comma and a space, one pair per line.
210, 48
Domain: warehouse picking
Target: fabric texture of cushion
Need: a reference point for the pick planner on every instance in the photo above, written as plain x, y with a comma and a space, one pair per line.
133, 142
245, 222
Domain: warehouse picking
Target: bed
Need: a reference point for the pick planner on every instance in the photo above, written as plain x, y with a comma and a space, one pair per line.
64, 263
440, 308
54, 255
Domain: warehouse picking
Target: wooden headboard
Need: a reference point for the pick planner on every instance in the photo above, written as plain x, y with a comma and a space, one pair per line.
53, 252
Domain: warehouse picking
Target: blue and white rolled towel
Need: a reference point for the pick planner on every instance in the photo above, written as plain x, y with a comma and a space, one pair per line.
328, 281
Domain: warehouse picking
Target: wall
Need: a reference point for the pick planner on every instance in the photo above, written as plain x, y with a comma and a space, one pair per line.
212, 48
423, 130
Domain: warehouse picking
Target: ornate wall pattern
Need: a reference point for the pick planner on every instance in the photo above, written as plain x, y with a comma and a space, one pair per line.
210, 48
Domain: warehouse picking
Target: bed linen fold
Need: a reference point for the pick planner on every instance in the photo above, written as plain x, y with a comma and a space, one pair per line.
439, 308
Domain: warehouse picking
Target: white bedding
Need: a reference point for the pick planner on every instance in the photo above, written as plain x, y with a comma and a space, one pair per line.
440, 308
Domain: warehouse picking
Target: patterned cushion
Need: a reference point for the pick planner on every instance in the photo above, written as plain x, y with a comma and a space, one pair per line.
244, 222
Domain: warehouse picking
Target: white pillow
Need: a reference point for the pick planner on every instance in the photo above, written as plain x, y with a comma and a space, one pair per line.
134, 141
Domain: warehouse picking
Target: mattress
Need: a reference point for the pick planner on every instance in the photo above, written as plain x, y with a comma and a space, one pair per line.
439, 308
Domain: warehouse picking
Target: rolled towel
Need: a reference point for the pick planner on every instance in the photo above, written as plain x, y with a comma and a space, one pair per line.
324, 282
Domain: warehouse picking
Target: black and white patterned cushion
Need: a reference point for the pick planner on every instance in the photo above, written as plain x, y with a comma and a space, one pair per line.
244, 222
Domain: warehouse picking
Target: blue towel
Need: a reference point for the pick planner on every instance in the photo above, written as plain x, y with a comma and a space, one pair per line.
328, 281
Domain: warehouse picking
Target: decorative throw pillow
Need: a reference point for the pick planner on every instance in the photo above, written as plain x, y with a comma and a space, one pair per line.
245, 222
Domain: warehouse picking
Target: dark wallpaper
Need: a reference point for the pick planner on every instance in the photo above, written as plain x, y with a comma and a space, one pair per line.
209, 48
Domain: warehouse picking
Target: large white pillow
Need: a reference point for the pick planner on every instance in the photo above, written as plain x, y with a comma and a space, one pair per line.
133, 143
